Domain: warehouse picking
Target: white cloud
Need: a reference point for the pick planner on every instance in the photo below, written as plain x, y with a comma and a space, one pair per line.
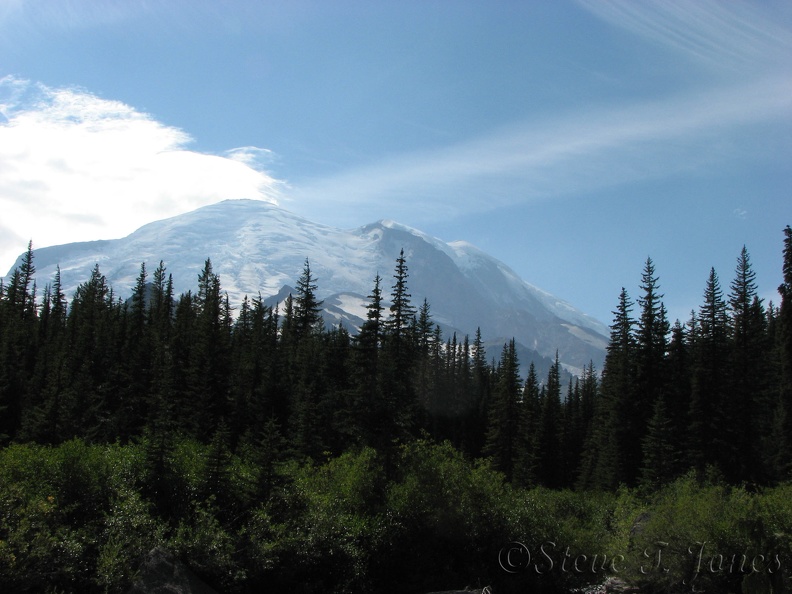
77, 167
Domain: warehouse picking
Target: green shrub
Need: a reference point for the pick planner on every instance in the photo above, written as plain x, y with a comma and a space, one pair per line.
130, 532
700, 536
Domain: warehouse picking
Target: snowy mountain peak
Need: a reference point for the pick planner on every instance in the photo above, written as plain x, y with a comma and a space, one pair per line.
257, 247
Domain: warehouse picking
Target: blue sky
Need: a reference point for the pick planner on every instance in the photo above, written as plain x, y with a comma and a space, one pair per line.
569, 139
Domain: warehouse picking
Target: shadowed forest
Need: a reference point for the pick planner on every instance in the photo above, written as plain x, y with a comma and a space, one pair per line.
268, 451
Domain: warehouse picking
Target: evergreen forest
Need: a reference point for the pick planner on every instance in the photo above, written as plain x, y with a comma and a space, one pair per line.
269, 452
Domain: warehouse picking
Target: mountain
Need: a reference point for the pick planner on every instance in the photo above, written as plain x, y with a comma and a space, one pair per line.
257, 247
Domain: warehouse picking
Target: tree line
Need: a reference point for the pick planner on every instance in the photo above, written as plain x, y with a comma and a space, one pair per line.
713, 394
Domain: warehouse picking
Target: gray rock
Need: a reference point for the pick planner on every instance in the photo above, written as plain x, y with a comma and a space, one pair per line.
485, 590
162, 573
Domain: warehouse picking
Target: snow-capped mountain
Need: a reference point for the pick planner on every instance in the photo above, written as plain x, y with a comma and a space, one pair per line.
257, 247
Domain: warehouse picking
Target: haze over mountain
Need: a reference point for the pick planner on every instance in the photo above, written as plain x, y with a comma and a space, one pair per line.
257, 247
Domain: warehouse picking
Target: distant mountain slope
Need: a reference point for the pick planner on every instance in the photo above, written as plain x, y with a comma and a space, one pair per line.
257, 247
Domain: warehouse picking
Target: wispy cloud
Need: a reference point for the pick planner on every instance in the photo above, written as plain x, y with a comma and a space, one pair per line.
602, 145
107, 166
575, 152
724, 35
70, 14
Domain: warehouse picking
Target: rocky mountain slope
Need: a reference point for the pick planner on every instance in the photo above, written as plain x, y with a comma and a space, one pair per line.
257, 247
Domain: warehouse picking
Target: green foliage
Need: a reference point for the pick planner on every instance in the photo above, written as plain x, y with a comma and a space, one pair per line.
71, 519
208, 547
341, 531
272, 451
711, 537
130, 531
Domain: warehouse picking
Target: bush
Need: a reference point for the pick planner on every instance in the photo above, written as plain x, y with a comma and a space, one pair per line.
704, 537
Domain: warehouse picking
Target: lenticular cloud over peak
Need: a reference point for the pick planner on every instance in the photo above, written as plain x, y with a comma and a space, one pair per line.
105, 166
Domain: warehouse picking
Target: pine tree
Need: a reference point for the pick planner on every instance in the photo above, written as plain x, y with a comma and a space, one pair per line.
366, 402
481, 375
504, 416
528, 452
746, 396
678, 389
426, 376
402, 312
42, 416
210, 362
782, 466
89, 397
307, 308
651, 346
27, 295
660, 462
138, 349
550, 438
574, 432
710, 381
308, 423
398, 362
603, 466
18, 345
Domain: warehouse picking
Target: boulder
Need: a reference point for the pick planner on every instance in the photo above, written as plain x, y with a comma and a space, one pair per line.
485, 590
162, 573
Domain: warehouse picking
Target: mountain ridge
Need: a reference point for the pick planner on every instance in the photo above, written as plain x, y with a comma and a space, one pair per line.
258, 248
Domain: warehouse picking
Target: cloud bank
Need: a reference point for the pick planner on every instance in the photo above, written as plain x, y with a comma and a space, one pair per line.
76, 166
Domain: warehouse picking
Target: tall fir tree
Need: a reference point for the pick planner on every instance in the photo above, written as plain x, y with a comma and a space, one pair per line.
746, 396
550, 438
603, 466
399, 355
528, 448
307, 308
651, 339
782, 464
18, 344
659, 466
210, 361
503, 420
710, 381
480, 379
366, 407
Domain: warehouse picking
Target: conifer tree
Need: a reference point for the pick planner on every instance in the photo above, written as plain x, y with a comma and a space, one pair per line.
651, 339
209, 367
18, 344
88, 397
710, 381
402, 312
660, 462
746, 396
603, 466
307, 308
574, 432
481, 375
678, 389
782, 466
425, 377
307, 427
138, 349
399, 356
503, 421
528, 452
550, 428
366, 408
